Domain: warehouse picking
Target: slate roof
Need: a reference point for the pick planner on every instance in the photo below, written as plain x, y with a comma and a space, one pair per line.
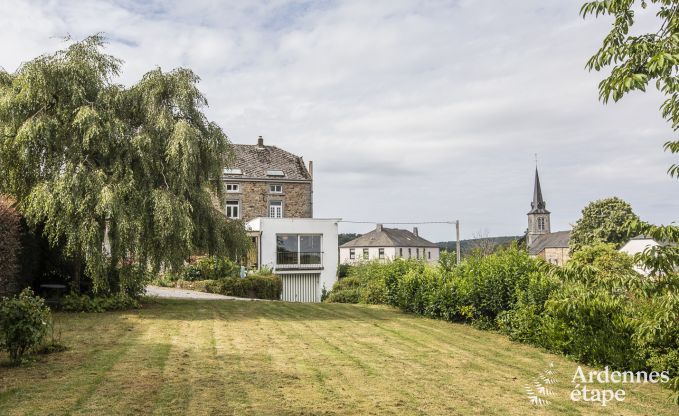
255, 160
558, 239
538, 206
389, 237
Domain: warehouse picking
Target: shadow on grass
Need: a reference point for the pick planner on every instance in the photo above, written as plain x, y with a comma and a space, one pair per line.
236, 310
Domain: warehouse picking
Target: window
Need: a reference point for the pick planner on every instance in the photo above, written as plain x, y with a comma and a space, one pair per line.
410, 252
275, 172
400, 252
276, 188
429, 255
232, 188
417, 251
296, 249
276, 209
365, 254
352, 254
232, 171
381, 253
232, 209
541, 223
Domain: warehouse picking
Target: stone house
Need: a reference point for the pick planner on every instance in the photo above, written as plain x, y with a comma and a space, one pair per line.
541, 242
265, 181
387, 244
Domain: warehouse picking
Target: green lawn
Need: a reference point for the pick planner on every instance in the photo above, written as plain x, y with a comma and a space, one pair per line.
234, 357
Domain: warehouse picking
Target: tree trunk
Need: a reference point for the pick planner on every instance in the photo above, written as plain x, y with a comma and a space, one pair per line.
77, 271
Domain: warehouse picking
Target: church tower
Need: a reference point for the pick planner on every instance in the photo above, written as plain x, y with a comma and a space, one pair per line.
538, 216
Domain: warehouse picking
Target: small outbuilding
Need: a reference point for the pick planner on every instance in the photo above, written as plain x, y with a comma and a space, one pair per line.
637, 245
302, 251
387, 244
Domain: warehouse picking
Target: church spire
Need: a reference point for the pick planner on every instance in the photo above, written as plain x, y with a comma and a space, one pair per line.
538, 216
538, 206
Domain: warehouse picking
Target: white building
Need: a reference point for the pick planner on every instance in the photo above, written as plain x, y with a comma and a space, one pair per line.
388, 244
302, 251
637, 245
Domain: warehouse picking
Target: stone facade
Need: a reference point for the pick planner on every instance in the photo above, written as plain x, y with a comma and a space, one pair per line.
555, 255
254, 198
538, 224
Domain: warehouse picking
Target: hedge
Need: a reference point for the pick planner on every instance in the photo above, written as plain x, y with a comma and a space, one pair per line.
597, 309
256, 287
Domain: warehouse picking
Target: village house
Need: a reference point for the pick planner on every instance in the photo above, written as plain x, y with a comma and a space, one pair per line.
265, 181
541, 242
387, 244
271, 191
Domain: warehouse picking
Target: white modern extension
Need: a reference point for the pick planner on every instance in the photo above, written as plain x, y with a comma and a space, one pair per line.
302, 251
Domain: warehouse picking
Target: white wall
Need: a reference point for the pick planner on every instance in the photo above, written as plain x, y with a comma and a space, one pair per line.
638, 246
390, 253
270, 227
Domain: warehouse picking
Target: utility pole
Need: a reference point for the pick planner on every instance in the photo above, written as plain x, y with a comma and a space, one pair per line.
457, 245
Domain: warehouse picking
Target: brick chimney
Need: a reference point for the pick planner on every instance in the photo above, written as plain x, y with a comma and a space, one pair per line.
415, 231
379, 227
260, 142
311, 168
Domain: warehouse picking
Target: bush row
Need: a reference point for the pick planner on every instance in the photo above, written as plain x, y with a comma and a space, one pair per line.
255, 286
597, 309
83, 303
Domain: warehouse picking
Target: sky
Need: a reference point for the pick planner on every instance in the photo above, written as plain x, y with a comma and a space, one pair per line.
412, 111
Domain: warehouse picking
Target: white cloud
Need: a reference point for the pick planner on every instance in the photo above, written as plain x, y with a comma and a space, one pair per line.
411, 110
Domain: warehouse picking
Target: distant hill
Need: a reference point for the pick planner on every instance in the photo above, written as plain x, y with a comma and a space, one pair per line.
346, 237
468, 245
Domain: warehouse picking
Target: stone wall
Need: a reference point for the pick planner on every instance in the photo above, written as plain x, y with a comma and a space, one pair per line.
254, 197
556, 255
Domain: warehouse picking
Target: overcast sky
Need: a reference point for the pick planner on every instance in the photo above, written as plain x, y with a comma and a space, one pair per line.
410, 110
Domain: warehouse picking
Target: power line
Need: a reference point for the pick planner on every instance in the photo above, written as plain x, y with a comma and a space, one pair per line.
399, 223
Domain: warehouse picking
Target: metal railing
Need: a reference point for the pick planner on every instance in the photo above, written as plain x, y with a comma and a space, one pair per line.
299, 260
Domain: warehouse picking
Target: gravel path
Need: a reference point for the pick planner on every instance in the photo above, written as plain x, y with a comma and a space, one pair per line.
174, 293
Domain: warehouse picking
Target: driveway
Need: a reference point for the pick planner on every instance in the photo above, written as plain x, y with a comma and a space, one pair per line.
175, 293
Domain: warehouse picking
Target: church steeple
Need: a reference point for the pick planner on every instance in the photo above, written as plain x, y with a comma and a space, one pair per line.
538, 206
538, 216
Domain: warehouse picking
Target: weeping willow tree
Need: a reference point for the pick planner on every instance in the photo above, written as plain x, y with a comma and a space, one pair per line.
116, 175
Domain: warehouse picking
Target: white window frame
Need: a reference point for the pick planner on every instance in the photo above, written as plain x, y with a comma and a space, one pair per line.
235, 188
228, 212
352, 254
275, 188
380, 253
276, 211
366, 254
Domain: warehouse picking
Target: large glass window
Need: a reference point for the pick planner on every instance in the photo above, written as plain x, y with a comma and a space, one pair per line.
298, 249
310, 249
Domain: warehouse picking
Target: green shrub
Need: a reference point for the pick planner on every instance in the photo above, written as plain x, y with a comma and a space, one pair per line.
367, 282
23, 323
83, 303
345, 290
344, 296
213, 268
255, 286
488, 284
